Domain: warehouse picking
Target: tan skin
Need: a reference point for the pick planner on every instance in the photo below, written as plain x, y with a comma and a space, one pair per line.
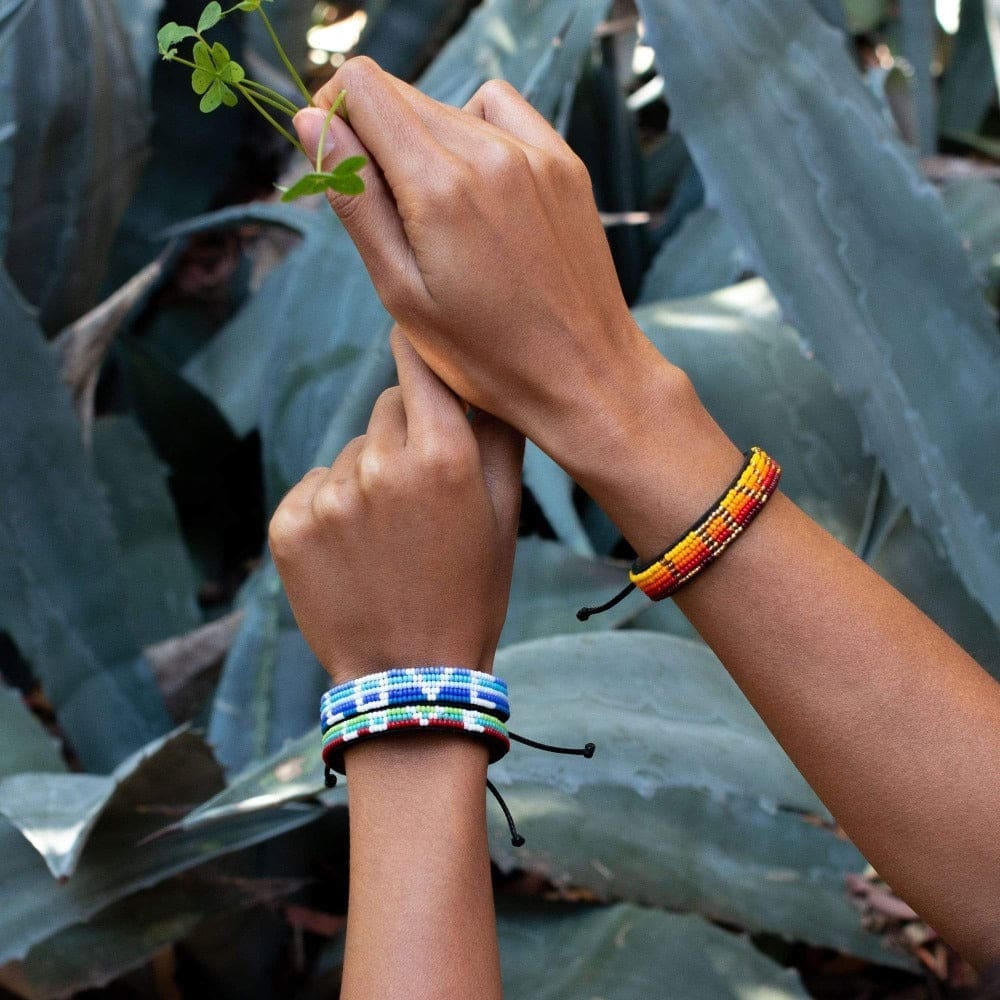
369, 551
481, 235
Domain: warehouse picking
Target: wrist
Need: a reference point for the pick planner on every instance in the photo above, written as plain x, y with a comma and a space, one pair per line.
639, 441
423, 777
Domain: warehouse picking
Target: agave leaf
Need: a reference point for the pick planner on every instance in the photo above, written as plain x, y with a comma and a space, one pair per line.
193, 155
819, 195
518, 41
139, 18
974, 204
60, 559
72, 76
130, 932
551, 582
161, 584
166, 779
553, 85
919, 41
700, 257
400, 36
688, 803
833, 11
557, 952
295, 329
552, 488
56, 813
291, 20
754, 377
882, 515
664, 167
294, 774
968, 87
10, 15
908, 560
865, 15
24, 744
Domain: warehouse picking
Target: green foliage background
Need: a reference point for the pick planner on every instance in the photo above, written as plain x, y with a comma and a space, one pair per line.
178, 349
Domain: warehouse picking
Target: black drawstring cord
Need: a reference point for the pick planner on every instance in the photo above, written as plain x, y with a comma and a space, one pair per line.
584, 613
587, 750
515, 838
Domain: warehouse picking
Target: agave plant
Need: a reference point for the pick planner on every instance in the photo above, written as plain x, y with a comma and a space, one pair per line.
782, 243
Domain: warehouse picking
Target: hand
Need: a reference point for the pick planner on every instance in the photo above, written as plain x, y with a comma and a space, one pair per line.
481, 234
400, 554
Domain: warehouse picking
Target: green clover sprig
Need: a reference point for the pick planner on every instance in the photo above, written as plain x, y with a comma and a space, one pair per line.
219, 80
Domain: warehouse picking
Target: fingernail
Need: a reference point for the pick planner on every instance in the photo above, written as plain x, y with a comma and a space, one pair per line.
309, 124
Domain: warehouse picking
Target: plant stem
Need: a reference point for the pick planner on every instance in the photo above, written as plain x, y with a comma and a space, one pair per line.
334, 108
184, 62
282, 106
275, 97
303, 89
288, 135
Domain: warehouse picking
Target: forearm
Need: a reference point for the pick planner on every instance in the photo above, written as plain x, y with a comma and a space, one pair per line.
895, 727
420, 915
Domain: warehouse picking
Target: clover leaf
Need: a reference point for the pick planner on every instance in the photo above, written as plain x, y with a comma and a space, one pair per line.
170, 36
210, 16
215, 71
343, 179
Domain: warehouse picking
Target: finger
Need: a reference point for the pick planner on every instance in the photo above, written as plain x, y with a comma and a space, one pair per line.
501, 451
498, 103
387, 425
371, 219
382, 120
431, 407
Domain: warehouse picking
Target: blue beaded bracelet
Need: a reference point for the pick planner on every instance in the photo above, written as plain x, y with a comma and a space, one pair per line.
451, 699
454, 686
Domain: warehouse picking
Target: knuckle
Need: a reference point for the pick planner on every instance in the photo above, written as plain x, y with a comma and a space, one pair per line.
357, 71
390, 396
331, 504
448, 184
509, 164
498, 89
449, 460
564, 169
574, 168
286, 531
376, 471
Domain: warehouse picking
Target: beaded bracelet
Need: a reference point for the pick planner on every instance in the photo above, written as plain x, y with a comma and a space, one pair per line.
480, 725
416, 686
712, 534
445, 699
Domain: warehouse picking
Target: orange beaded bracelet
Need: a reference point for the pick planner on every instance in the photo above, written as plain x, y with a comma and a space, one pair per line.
709, 538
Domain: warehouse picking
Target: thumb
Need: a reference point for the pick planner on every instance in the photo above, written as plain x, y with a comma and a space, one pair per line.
371, 218
501, 451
